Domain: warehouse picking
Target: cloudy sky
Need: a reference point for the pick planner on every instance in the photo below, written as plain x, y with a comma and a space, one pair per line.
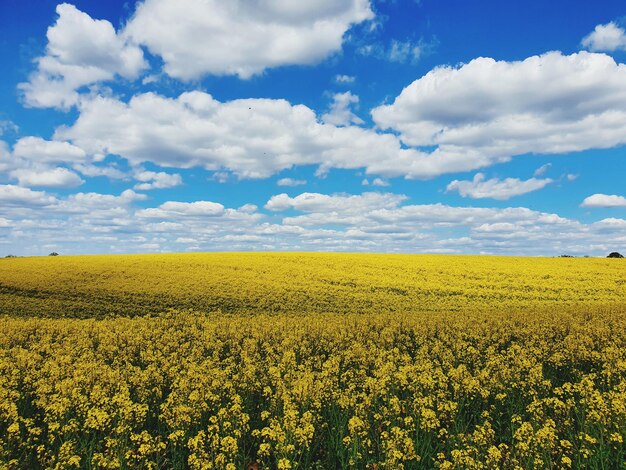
437, 126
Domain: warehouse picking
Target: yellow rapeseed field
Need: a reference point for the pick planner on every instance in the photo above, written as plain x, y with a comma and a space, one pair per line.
98, 286
297, 361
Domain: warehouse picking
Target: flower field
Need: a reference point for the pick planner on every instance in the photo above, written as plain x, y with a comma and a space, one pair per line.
131, 285
288, 361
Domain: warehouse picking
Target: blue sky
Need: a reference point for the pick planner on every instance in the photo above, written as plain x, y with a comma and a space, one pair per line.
388, 126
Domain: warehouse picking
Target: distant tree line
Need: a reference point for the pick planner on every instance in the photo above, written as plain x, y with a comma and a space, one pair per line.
54, 253
614, 254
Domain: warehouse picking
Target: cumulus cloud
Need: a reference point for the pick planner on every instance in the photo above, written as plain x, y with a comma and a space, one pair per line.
494, 188
383, 222
404, 51
16, 196
157, 180
96, 204
612, 223
385, 210
345, 79
474, 116
38, 150
489, 111
253, 138
195, 209
604, 200
220, 176
245, 38
50, 178
442, 228
35, 162
340, 113
605, 37
437, 227
542, 170
93, 222
322, 203
8, 127
107, 171
375, 182
186, 240
81, 51
380, 182
290, 182
6, 158
397, 51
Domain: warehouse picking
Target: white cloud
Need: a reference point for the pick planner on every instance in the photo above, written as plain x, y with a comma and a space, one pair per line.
345, 79
81, 51
472, 118
157, 180
98, 205
476, 115
542, 169
290, 182
8, 127
50, 178
605, 37
494, 188
380, 222
38, 150
16, 196
92, 222
474, 126
612, 223
375, 182
221, 176
172, 209
397, 51
323, 203
404, 51
6, 159
150, 79
380, 182
340, 113
253, 138
248, 209
436, 227
186, 240
94, 170
34, 162
604, 200
488, 111
242, 38
382, 213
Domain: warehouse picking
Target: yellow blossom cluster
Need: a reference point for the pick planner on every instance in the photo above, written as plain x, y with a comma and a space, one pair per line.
533, 382
103, 286
544, 389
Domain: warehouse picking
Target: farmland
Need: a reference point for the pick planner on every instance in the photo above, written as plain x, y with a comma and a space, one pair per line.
136, 285
295, 360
